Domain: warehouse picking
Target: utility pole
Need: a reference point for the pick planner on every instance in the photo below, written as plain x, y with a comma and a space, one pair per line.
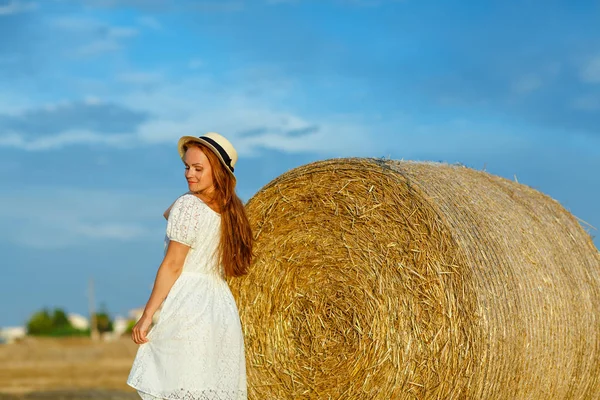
92, 307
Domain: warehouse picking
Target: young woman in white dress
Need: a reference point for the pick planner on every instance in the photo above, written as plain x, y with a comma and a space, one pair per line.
195, 351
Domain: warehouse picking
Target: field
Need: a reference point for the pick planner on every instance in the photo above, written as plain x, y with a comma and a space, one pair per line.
66, 369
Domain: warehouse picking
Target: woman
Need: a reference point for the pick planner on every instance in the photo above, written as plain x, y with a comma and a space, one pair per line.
196, 348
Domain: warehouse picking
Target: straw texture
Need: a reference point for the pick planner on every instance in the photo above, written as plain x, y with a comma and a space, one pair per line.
382, 279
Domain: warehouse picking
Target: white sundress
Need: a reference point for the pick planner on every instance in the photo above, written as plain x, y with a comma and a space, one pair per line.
196, 348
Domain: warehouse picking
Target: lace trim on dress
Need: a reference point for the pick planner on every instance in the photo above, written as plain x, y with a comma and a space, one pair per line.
197, 395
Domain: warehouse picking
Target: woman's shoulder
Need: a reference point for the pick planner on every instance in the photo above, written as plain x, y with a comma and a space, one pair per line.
191, 202
187, 201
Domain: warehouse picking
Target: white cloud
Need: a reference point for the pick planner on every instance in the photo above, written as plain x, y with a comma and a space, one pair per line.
256, 119
196, 63
255, 122
16, 7
62, 218
140, 78
214, 6
110, 41
150, 22
282, 1
75, 23
14, 103
544, 75
590, 71
194, 106
587, 103
67, 138
11, 140
460, 136
114, 230
92, 37
118, 32
92, 100
526, 84
369, 3
97, 47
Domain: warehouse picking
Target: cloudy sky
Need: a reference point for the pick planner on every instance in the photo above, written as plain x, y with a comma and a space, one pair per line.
93, 98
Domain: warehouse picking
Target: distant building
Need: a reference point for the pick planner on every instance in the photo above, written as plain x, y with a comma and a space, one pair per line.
120, 325
136, 314
78, 321
10, 334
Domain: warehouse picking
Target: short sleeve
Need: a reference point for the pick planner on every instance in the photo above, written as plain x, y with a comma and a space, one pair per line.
185, 220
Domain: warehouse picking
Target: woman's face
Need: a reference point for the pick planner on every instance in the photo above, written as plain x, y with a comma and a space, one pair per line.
198, 172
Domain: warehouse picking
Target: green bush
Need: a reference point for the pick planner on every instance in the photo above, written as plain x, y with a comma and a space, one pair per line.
60, 319
40, 323
44, 323
103, 322
130, 326
55, 324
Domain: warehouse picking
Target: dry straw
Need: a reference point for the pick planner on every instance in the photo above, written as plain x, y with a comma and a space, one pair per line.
380, 279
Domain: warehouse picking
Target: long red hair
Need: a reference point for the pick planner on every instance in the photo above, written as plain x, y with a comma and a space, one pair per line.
235, 246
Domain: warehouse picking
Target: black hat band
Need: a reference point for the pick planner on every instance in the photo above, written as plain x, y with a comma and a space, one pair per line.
221, 151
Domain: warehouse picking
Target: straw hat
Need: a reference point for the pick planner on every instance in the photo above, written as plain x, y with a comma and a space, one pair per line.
217, 143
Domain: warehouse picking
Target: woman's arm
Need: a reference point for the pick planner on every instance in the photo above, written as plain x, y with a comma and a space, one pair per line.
167, 274
166, 213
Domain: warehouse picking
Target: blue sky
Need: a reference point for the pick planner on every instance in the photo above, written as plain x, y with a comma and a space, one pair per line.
95, 94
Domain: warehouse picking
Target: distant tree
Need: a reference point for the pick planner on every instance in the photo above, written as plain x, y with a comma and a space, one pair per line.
103, 320
60, 320
130, 326
40, 323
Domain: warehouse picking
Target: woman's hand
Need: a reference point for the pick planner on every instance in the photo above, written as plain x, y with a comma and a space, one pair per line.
140, 330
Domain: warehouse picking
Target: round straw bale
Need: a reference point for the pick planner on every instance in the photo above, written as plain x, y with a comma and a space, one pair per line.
382, 279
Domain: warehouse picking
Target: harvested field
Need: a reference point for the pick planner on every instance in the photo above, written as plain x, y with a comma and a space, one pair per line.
66, 368
81, 394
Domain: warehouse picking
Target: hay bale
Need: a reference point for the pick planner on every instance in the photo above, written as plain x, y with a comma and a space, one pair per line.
380, 279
